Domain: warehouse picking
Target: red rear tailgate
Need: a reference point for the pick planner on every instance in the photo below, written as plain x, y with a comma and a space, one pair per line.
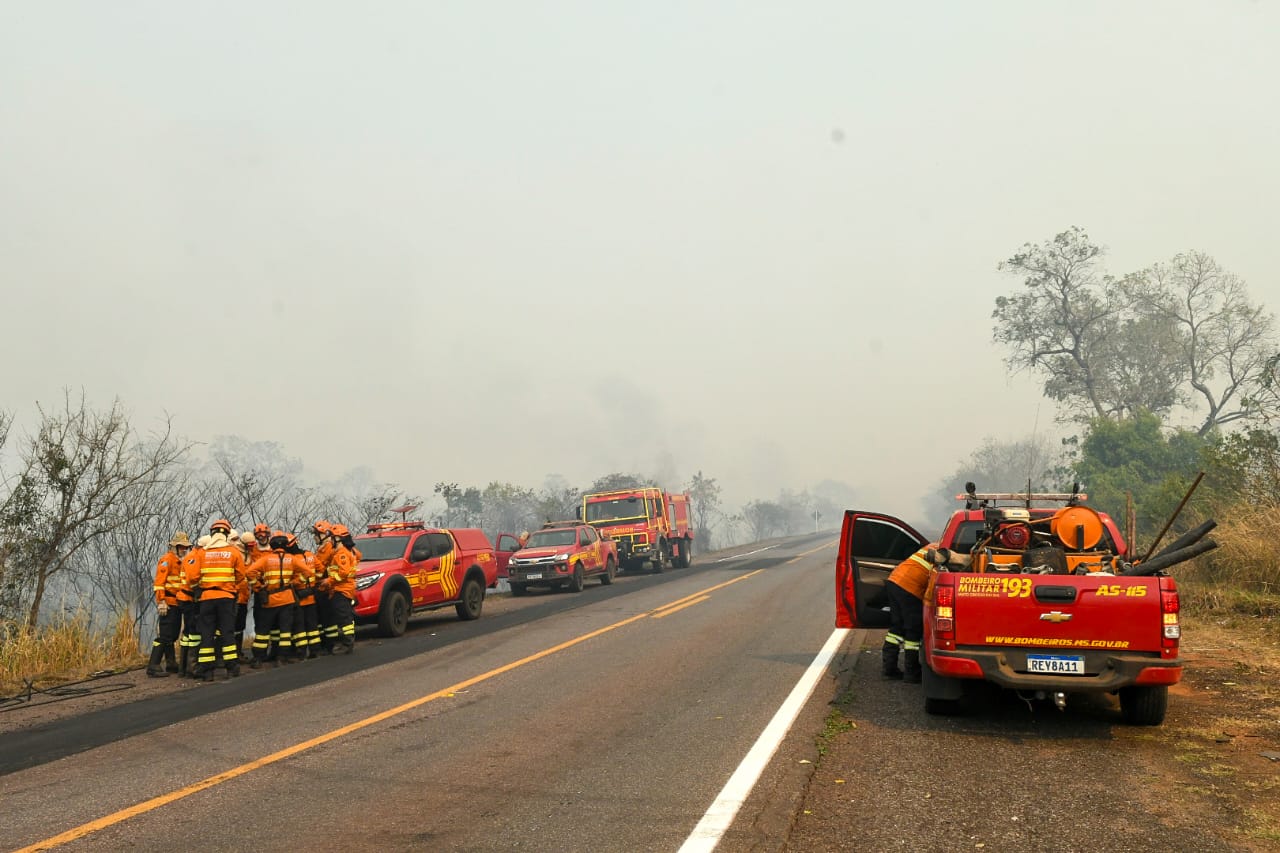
1098, 612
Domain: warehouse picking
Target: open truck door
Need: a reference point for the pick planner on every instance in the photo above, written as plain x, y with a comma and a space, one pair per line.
871, 546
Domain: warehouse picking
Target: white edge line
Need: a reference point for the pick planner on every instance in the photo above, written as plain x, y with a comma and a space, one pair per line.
707, 834
748, 554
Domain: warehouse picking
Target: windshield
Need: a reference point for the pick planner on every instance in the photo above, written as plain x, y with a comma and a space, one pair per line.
382, 547
616, 508
552, 538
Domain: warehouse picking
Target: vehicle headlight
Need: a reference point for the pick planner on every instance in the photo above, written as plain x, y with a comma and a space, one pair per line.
562, 557
366, 581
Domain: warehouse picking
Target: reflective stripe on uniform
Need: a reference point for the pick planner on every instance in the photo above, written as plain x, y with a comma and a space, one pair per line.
893, 639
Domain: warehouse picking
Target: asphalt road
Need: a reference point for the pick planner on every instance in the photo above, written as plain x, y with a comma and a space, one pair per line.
607, 720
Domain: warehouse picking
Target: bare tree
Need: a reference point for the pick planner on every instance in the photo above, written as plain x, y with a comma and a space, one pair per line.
1223, 340
256, 482
84, 476
121, 563
764, 518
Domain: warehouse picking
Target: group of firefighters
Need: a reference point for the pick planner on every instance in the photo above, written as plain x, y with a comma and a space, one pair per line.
303, 601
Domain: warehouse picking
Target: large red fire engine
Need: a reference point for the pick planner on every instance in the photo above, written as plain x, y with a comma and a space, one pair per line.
647, 523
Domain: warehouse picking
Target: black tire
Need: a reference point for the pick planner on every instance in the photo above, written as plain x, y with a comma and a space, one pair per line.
575, 583
393, 615
472, 599
610, 570
681, 560
1144, 706
518, 589
659, 559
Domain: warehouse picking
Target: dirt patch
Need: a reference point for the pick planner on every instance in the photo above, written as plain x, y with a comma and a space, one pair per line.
890, 776
1220, 753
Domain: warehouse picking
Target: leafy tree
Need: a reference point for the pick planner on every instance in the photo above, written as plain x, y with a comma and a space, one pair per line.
704, 501
617, 480
462, 506
557, 499
1179, 334
1138, 456
1064, 323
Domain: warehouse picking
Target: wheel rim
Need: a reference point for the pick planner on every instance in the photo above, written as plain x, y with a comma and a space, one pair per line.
400, 613
474, 594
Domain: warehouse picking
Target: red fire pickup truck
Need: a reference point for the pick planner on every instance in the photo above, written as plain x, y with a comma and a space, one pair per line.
1039, 600
563, 554
407, 567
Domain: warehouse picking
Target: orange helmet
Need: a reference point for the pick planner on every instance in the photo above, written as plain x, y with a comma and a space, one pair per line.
321, 527
261, 529
339, 530
221, 524
290, 540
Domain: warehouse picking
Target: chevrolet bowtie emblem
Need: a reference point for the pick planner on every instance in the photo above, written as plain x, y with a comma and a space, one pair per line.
1055, 616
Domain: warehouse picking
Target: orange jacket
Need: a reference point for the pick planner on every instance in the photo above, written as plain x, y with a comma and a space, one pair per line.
216, 570
324, 553
171, 580
279, 573
307, 594
341, 572
914, 573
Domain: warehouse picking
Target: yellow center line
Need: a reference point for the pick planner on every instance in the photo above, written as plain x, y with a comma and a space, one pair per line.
227, 775
671, 610
710, 589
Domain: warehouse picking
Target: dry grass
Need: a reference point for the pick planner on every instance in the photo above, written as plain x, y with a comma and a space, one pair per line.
1240, 581
65, 651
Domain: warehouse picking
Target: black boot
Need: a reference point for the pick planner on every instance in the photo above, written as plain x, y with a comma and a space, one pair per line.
911, 666
889, 656
184, 664
153, 665
170, 662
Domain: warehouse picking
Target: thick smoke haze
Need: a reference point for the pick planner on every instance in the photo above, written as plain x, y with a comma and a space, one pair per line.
497, 241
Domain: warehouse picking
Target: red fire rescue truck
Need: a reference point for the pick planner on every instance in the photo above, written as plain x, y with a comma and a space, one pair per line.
648, 524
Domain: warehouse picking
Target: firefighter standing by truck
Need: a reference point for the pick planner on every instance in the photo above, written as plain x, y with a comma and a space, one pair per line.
170, 581
905, 589
340, 583
215, 572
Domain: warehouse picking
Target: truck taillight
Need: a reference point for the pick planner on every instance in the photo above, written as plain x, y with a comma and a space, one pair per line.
1169, 608
944, 623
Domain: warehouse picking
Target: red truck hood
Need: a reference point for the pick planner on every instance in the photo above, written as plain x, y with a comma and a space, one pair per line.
528, 553
367, 567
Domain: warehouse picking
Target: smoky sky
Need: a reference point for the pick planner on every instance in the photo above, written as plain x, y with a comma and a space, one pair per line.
495, 241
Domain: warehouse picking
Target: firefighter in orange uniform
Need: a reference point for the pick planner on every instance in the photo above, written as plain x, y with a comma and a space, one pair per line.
306, 626
340, 579
216, 572
243, 593
170, 581
274, 576
189, 602
905, 589
324, 615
